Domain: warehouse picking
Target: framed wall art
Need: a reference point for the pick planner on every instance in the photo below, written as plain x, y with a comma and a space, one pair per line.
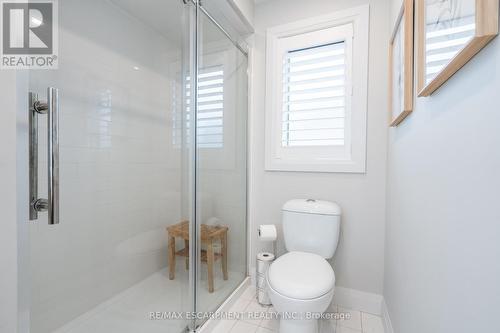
401, 66
449, 34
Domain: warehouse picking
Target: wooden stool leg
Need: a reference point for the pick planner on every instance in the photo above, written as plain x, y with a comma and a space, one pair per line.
186, 246
210, 265
224, 255
171, 257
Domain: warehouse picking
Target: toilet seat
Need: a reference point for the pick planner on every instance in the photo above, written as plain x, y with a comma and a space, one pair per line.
301, 275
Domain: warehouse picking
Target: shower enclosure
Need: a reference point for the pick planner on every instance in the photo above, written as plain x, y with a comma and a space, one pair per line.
143, 126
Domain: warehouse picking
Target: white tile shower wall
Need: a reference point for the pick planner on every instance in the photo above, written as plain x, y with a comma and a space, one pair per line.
359, 260
120, 173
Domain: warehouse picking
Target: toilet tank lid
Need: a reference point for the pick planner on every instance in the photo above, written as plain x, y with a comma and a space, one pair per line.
312, 206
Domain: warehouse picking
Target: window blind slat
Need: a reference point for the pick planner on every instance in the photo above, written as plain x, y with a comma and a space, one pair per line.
317, 114
319, 134
325, 58
314, 96
312, 83
316, 52
294, 68
312, 90
334, 70
309, 124
315, 102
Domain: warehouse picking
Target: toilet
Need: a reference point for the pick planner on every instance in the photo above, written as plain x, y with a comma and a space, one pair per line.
301, 282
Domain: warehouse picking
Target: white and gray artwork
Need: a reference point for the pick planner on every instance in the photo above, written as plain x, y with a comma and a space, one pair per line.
450, 25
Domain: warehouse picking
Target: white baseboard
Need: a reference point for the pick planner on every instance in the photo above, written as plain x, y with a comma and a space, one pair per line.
358, 300
210, 324
386, 318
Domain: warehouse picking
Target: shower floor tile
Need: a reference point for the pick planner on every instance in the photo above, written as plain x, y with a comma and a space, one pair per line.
130, 310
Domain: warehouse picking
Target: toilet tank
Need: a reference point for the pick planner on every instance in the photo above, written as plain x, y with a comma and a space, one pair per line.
311, 226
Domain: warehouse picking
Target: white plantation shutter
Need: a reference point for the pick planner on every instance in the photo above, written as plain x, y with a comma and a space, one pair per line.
314, 96
444, 41
210, 116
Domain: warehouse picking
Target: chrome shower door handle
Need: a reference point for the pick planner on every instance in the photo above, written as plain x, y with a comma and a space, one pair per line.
53, 154
51, 109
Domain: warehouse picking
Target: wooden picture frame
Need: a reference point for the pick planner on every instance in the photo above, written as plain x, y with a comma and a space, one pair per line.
483, 27
401, 66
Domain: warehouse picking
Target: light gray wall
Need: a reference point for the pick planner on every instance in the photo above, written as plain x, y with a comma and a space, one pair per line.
358, 262
443, 219
8, 233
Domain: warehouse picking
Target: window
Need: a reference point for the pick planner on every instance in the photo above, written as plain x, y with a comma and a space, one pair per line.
210, 117
316, 93
314, 96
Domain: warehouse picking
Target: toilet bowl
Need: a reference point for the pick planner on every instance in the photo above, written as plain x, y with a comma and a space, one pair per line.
301, 287
301, 282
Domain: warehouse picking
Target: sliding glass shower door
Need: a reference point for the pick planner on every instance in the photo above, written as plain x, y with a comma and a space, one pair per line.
138, 174
124, 168
221, 164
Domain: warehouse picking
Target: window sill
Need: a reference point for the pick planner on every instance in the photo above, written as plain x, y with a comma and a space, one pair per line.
348, 166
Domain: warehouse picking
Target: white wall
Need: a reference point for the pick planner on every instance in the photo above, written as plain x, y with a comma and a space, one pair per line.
443, 221
8, 234
358, 262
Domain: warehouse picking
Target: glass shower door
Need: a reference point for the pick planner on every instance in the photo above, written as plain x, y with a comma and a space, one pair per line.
124, 169
221, 165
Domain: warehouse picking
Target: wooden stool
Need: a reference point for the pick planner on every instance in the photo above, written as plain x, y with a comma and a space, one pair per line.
209, 234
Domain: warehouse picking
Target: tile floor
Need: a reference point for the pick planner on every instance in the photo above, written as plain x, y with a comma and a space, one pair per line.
359, 322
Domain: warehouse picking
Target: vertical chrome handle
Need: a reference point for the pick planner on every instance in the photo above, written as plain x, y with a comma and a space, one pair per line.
51, 109
53, 154
33, 155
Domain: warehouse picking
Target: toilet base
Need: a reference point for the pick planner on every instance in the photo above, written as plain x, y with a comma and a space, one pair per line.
298, 326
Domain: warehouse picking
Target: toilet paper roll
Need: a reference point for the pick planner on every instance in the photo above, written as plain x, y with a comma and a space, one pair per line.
267, 232
264, 260
265, 257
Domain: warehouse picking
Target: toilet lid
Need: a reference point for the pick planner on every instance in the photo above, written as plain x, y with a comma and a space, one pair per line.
301, 275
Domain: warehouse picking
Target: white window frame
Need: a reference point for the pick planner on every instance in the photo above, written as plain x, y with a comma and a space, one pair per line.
324, 29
